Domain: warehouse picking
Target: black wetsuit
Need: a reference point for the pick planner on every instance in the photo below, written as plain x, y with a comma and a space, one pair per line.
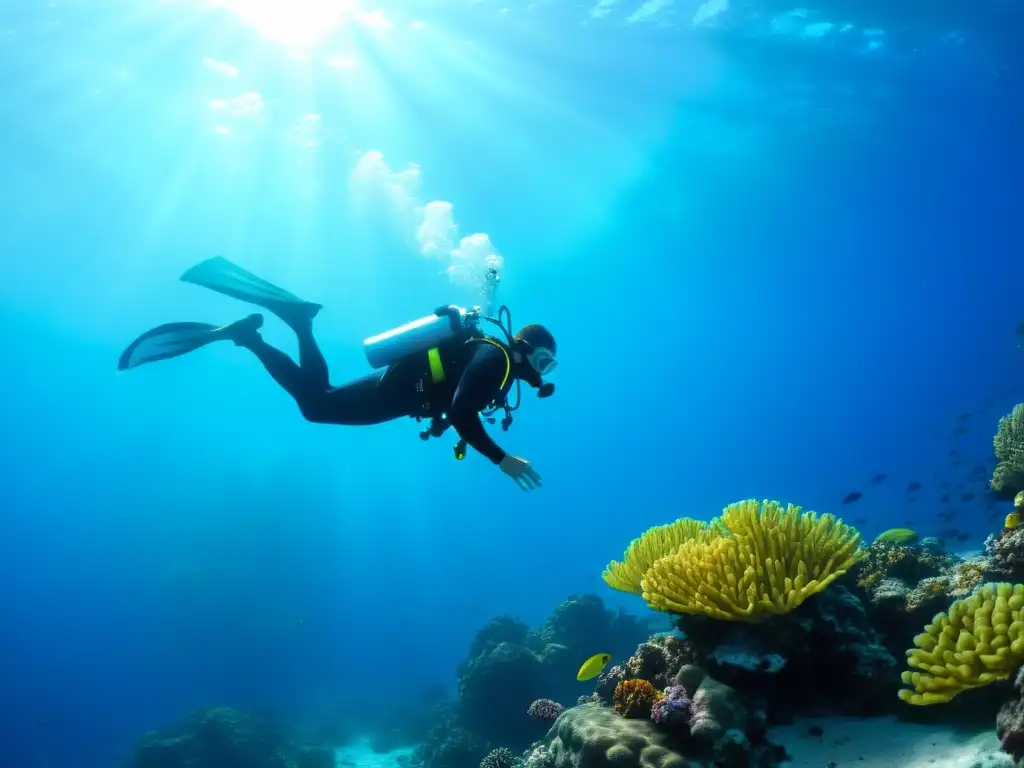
474, 374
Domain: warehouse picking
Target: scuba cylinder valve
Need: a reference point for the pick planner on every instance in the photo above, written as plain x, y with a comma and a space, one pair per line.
446, 324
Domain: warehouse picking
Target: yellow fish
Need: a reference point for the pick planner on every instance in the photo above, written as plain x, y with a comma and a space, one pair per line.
896, 536
1012, 521
592, 667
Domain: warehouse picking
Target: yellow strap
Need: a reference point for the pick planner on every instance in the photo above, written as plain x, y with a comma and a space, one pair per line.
437, 374
508, 360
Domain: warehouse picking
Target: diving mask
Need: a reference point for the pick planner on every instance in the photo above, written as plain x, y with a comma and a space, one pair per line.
542, 361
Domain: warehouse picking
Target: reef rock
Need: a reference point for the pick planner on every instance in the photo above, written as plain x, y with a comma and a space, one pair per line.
510, 666
496, 688
822, 657
594, 736
222, 737
449, 745
1004, 554
1010, 721
657, 660
903, 587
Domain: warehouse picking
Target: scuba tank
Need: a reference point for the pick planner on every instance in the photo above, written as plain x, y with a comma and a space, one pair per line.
446, 324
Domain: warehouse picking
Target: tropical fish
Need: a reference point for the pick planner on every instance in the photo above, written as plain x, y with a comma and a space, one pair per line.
963, 536
852, 496
592, 667
1012, 521
896, 536
960, 431
880, 477
963, 416
913, 486
944, 498
966, 496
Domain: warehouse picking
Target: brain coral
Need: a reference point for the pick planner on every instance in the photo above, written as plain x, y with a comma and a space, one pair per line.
592, 736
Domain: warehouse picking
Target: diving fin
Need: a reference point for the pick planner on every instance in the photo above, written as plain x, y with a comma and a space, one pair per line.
220, 275
174, 339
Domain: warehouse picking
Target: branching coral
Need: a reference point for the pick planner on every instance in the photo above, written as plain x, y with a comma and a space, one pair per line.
653, 544
980, 641
1008, 476
634, 698
502, 757
545, 709
768, 562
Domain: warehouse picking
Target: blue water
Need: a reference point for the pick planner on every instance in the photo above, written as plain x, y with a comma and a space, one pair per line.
778, 256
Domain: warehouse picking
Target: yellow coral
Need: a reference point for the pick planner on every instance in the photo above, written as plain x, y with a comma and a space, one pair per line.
980, 641
653, 544
634, 698
769, 562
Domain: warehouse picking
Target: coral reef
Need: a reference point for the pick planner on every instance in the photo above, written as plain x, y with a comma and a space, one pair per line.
496, 687
634, 698
655, 661
979, 641
770, 562
545, 709
501, 757
1008, 475
903, 587
795, 663
222, 737
510, 667
722, 732
715, 708
449, 745
671, 710
1004, 552
909, 564
1010, 721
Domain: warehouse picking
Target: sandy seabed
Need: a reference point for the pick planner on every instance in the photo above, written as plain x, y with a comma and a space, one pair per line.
849, 742
844, 742
359, 755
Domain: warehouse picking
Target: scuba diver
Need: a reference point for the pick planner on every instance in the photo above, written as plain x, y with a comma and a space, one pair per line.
442, 367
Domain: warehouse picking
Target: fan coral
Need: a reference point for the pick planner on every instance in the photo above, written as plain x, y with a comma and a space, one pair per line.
501, 757
1008, 476
673, 709
980, 641
653, 544
770, 562
634, 698
545, 709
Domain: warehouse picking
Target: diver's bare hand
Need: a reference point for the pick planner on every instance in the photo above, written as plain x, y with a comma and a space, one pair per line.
526, 476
